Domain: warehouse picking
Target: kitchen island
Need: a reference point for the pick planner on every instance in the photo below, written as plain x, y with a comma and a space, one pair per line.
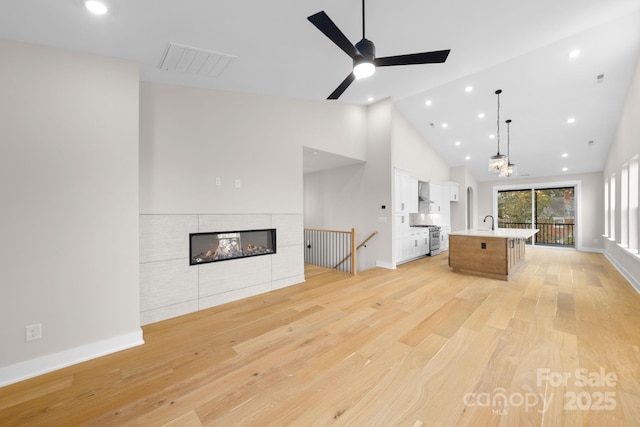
490, 253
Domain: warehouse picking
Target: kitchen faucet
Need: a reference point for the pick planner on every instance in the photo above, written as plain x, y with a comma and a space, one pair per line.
485, 220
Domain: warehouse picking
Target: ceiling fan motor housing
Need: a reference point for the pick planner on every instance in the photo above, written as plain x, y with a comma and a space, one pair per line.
367, 49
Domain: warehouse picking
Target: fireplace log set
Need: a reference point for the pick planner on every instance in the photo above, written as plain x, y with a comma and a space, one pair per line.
210, 247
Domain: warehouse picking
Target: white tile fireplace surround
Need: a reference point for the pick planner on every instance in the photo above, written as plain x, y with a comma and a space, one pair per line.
170, 287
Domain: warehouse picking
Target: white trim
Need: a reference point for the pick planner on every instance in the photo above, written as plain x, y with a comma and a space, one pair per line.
632, 280
594, 250
51, 362
387, 265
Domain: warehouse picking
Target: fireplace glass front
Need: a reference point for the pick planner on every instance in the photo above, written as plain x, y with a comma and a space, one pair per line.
221, 246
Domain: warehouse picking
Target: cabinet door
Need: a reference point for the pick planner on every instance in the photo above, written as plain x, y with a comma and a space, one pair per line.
423, 243
406, 193
444, 238
402, 226
399, 250
454, 192
400, 192
412, 194
435, 196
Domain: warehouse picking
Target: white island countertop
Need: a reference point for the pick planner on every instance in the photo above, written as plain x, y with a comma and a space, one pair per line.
506, 233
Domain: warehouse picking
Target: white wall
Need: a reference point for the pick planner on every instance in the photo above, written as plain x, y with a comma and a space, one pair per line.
411, 152
459, 210
626, 144
353, 196
190, 138
68, 184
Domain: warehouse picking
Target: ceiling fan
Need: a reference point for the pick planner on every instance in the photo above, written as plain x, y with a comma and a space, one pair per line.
363, 53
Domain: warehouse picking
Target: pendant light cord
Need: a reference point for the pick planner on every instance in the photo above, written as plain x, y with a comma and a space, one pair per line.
498, 92
508, 122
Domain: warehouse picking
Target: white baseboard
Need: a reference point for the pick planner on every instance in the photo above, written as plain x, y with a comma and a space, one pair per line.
387, 265
625, 273
52, 362
587, 249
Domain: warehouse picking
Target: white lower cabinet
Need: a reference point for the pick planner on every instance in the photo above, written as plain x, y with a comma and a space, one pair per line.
444, 238
415, 245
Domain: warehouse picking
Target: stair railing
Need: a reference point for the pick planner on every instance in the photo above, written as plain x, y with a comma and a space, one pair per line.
331, 248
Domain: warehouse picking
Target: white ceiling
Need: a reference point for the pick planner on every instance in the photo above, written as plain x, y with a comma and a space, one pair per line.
520, 47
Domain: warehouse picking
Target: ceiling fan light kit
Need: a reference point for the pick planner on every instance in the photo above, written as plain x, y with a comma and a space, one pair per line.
363, 53
363, 65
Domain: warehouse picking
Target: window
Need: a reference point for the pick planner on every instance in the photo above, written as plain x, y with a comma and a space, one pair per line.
633, 204
612, 207
607, 210
551, 210
624, 206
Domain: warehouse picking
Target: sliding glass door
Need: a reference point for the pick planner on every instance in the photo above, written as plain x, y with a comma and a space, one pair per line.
551, 210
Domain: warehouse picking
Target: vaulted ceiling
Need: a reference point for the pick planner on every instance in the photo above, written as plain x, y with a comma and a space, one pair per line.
520, 47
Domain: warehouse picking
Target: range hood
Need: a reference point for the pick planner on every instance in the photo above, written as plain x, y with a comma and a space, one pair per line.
423, 192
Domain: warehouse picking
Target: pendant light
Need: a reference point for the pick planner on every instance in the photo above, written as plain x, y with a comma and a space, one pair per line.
511, 169
499, 161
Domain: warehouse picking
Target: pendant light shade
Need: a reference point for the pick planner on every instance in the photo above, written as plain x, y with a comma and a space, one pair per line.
499, 161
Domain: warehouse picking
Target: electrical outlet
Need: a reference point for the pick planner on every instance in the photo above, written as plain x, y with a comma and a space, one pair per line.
218, 181
33, 332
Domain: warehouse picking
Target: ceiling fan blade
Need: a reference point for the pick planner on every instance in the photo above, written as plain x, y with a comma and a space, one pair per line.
343, 86
322, 21
414, 58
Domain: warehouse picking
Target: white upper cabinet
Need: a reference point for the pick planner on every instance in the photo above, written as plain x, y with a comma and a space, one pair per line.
412, 194
452, 190
406, 193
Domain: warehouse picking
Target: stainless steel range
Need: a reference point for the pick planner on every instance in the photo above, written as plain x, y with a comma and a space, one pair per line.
434, 240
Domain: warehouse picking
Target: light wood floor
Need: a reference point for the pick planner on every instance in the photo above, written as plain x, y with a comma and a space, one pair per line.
416, 346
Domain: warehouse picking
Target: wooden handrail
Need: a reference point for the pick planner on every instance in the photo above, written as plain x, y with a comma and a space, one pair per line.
355, 250
330, 231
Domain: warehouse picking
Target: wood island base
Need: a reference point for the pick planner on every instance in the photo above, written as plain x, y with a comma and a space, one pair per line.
493, 256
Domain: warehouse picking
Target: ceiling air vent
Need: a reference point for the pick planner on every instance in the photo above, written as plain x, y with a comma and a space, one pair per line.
193, 60
599, 79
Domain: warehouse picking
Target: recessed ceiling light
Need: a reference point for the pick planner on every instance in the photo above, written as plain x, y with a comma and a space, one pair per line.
481, 116
428, 102
370, 99
445, 125
457, 143
468, 89
565, 155
97, 7
492, 136
468, 158
565, 169
571, 120
574, 53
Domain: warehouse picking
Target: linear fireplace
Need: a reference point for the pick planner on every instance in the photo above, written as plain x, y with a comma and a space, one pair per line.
225, 245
